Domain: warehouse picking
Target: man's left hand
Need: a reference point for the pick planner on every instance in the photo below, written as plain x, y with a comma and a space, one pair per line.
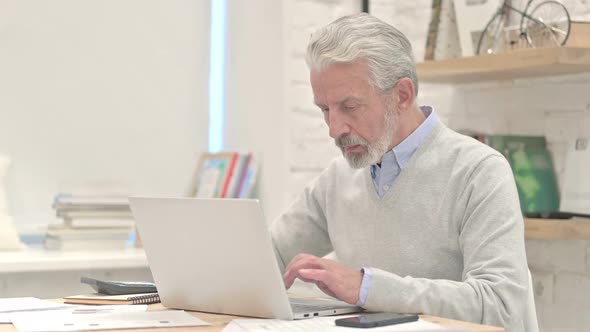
332, 278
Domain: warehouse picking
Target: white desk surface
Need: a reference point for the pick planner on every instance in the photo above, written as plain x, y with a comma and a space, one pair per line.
34, 260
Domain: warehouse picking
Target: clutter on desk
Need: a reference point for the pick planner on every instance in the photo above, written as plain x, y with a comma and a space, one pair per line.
90, 223
106, 321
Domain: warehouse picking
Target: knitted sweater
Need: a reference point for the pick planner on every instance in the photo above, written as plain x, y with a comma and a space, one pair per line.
447, 239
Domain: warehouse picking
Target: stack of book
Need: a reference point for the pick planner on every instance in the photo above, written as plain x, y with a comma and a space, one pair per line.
90, 222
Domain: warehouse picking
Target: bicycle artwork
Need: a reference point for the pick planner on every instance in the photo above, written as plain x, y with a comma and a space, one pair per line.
542, 24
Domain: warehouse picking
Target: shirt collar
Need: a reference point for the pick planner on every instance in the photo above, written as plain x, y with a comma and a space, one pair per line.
402, 152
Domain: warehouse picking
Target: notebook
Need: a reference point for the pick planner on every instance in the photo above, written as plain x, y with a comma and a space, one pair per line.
96, 298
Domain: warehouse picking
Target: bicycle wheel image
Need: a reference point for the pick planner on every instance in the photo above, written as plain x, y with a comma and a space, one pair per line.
547, 25
492, 40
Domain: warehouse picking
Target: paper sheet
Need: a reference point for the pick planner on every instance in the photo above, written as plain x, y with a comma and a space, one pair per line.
10, 306
322, 324
127, 320
27, 303
6, 318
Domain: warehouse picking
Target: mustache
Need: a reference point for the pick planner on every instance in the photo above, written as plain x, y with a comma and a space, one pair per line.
343, 141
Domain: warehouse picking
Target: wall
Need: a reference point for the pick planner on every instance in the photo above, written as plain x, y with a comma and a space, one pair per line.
558, 108
309, 148
101, 91
253, 93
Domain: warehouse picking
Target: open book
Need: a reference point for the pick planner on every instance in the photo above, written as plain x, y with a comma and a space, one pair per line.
145, 298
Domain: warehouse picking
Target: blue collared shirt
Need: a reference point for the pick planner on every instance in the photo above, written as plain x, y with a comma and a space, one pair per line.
392, 164
395, 160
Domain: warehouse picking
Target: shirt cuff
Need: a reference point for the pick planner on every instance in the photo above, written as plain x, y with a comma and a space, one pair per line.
365, 285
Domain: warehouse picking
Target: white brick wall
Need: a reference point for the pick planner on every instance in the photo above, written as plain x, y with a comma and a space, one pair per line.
309, 148
558, 108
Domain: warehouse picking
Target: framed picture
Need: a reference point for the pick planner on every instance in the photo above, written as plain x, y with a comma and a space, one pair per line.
211, 174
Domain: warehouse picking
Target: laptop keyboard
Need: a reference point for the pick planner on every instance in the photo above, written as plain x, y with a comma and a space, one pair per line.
307, 305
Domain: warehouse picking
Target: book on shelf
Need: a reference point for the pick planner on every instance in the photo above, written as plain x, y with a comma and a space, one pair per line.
532, 166
248, 184
63, 237
93, 211
64, 231
225, 175
535, 179
89, 202
507, 143
237, 174
100, 299
84, 245
99, 222
229, 174
90, 214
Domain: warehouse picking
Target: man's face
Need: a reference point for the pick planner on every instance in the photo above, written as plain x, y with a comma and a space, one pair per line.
361, 121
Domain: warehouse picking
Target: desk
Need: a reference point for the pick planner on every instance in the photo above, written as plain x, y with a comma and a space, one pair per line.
219, 321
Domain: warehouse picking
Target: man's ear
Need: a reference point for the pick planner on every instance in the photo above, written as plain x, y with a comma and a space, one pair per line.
404, 94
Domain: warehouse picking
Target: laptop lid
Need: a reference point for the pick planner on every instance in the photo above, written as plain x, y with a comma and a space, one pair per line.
212, 255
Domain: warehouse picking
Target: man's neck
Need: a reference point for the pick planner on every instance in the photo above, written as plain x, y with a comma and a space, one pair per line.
407, 123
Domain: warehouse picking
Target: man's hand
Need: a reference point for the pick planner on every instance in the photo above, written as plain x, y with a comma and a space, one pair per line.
331, 277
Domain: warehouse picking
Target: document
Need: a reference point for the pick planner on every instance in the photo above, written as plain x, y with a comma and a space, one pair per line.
10, 306
26, 304
323, 324
109, 321
7, 318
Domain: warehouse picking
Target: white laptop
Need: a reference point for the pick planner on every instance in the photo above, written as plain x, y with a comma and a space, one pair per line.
216, 255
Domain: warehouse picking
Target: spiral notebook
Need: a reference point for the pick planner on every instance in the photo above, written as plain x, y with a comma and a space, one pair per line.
145, 298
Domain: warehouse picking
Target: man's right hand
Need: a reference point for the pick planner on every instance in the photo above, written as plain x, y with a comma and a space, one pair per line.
331, 277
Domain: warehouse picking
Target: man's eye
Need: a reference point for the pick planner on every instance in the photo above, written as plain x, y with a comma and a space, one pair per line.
350, 108
324, 110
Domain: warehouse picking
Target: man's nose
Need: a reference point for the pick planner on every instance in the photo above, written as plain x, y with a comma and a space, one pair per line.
338, 126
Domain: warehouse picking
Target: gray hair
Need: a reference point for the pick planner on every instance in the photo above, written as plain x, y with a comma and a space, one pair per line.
361, 36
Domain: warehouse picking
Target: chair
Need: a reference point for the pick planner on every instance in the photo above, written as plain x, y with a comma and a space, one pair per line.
530, 312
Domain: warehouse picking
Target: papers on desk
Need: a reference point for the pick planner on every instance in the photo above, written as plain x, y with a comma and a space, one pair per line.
108, 321
7, 318
11, 306
323, 324
26, 304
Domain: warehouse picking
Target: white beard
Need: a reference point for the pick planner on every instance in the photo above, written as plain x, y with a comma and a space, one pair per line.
374, 151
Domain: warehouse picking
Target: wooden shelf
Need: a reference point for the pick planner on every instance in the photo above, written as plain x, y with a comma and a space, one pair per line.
556, 229
523, 63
